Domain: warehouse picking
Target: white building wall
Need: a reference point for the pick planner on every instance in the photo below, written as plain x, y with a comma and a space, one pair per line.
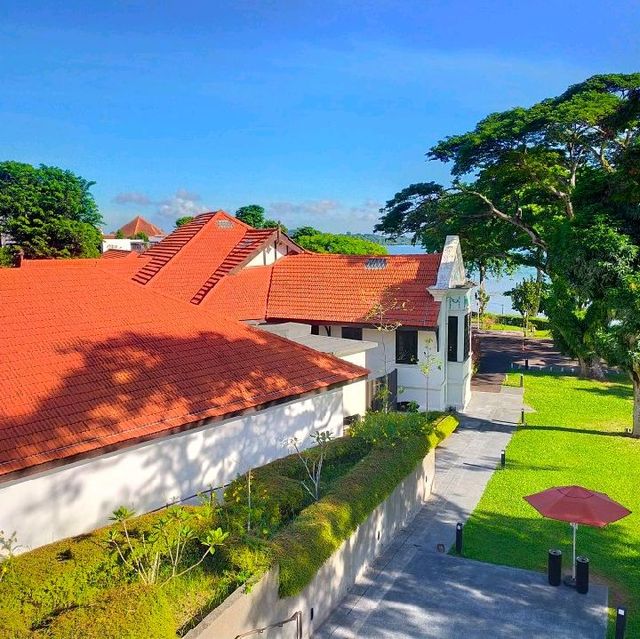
269, 255
411, 381
355, 394
80, 497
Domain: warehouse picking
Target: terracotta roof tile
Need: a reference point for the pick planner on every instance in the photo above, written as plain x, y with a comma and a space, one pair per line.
344, 288
91, 360
140, 225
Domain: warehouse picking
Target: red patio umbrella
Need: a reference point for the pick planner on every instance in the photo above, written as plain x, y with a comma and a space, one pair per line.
577, 505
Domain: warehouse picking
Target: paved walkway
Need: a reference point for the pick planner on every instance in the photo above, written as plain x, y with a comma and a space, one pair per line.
412, 590
503, 351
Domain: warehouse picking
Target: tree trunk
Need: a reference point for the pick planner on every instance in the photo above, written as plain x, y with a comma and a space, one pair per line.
595, 368
635, 378
590, 367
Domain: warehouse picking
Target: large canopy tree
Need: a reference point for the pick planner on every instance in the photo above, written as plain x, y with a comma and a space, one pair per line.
551, 173
48, 212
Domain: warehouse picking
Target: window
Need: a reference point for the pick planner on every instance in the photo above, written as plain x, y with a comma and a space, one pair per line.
350, 332
467, 335
315, 329
406, 347
452, 339
375, 263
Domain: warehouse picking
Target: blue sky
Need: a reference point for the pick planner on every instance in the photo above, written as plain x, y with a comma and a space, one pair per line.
319, 111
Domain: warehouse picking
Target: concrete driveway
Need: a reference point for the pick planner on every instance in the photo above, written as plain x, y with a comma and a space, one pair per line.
412, 590
446, 597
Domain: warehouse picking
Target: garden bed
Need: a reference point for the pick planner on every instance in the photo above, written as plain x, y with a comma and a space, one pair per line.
80, 588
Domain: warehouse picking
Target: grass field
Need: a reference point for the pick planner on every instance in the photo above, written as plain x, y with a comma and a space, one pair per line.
575, 436
539, 334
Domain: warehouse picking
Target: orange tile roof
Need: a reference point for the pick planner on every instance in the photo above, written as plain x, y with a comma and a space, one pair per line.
92, 361
140, 225
340, 288
243, 295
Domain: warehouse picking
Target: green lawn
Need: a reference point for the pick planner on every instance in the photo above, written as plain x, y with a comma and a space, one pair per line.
537, 334
575, 436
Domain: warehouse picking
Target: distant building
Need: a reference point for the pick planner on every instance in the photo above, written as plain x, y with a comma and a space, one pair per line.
124, 239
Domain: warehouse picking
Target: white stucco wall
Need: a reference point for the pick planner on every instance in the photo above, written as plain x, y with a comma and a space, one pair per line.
269, 255
410, 380
355, 394
80, 497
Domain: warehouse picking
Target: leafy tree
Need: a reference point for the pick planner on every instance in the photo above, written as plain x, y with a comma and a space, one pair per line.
525, 297
619, 339
275, 224
120, 235
140, 235
336, 243
49, 212
565, 163
303, 230
252, 214
185, 219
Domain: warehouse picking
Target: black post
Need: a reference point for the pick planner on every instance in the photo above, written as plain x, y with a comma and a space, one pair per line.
503, 458
459, 538
582, 575
621, 622
554, 565
526, 364
521, 380
522, 417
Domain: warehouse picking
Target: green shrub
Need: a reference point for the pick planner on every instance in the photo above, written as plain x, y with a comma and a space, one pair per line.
125, 613
386, 429
301, 548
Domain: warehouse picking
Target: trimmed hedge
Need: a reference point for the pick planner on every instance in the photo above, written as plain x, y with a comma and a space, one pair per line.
302, 548
76, 588
131, 613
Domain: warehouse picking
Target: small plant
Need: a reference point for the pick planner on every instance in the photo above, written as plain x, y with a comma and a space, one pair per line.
8, 546
386, 429
381, 316
426, 365
162, 548
312, 462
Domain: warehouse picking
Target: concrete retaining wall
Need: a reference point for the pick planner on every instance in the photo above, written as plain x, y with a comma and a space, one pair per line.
243, 612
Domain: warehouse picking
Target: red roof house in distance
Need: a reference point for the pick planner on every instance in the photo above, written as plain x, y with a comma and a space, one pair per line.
139, 225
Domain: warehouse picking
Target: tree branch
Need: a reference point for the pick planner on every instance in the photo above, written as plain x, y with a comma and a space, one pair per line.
515, 221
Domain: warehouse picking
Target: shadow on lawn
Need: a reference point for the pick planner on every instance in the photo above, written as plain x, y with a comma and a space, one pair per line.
570, 429
617, 389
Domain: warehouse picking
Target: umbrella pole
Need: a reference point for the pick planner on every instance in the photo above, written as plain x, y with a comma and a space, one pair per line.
573, 565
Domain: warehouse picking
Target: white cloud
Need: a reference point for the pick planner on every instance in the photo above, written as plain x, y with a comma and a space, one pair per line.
327, 215
132, 197
182, 203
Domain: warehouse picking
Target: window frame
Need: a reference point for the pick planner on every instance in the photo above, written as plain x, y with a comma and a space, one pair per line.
356, 333
453, 328
412, 358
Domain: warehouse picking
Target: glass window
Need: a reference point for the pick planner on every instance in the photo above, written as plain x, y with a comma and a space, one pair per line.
315, 329
406, 347
452, 339
350, 332
467, 335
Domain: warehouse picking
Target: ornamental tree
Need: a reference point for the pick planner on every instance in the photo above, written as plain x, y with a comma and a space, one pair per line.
48, 212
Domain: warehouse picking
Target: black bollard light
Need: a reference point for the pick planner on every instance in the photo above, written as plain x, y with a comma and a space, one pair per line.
526, 364
459, 538
582, 575
554, 565
621, 622
521, 380
522, 421
503, 458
